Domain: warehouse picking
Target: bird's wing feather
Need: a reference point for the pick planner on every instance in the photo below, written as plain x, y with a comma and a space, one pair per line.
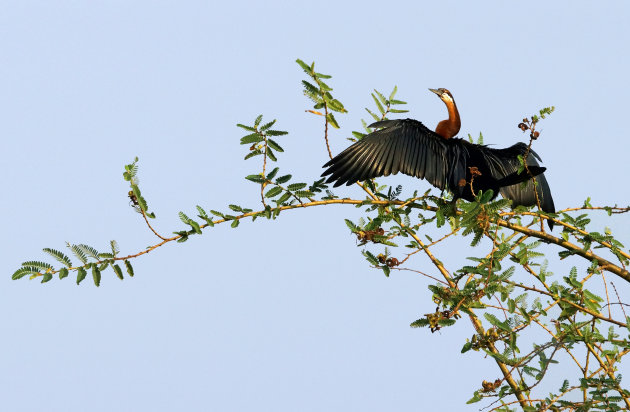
405, 146
504, 162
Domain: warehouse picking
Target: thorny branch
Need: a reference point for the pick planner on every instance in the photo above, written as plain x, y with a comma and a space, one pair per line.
511, 370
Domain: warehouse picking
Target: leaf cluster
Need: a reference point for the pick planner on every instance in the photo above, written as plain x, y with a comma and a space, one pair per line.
260, 139
319, 93
138, 201
384, 106
90, 258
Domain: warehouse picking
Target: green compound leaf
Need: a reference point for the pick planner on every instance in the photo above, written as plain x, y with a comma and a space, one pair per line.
96, 275
81, 274
59, 256
274, 191
118, 272
129, 268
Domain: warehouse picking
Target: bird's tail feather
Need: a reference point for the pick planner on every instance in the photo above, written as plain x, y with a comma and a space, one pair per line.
515, 178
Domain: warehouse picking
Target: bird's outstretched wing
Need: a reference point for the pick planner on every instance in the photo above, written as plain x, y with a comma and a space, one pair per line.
504, 162
405, 146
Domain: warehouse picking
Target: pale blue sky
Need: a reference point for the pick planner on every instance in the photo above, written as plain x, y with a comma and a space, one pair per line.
282, 316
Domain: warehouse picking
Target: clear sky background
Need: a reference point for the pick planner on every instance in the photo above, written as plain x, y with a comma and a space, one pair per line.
271, 316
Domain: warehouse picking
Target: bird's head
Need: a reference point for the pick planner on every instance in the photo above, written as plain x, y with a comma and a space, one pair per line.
443, 94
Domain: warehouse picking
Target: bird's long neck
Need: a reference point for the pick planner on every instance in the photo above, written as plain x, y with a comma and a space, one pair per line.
450, 127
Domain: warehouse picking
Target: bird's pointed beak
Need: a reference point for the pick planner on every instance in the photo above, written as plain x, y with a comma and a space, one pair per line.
436, 91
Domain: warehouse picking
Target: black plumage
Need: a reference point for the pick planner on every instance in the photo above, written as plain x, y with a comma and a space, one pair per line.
409, 147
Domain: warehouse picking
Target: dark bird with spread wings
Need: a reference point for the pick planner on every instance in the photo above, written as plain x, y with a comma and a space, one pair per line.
448, 163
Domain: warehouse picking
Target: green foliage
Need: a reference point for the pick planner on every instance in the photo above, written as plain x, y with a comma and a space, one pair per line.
96, 275
274, 191
479, 139
59, 256
118, 272
88, 251
196, 228
37, 265
81, 274
319, 93
129, 268
78, 252
137, 200
25, 270
542, 113
131, 170
89, 257
204, 215
384, 106
260, 140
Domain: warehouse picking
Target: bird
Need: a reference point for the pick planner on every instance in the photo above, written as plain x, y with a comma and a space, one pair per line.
445, 161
